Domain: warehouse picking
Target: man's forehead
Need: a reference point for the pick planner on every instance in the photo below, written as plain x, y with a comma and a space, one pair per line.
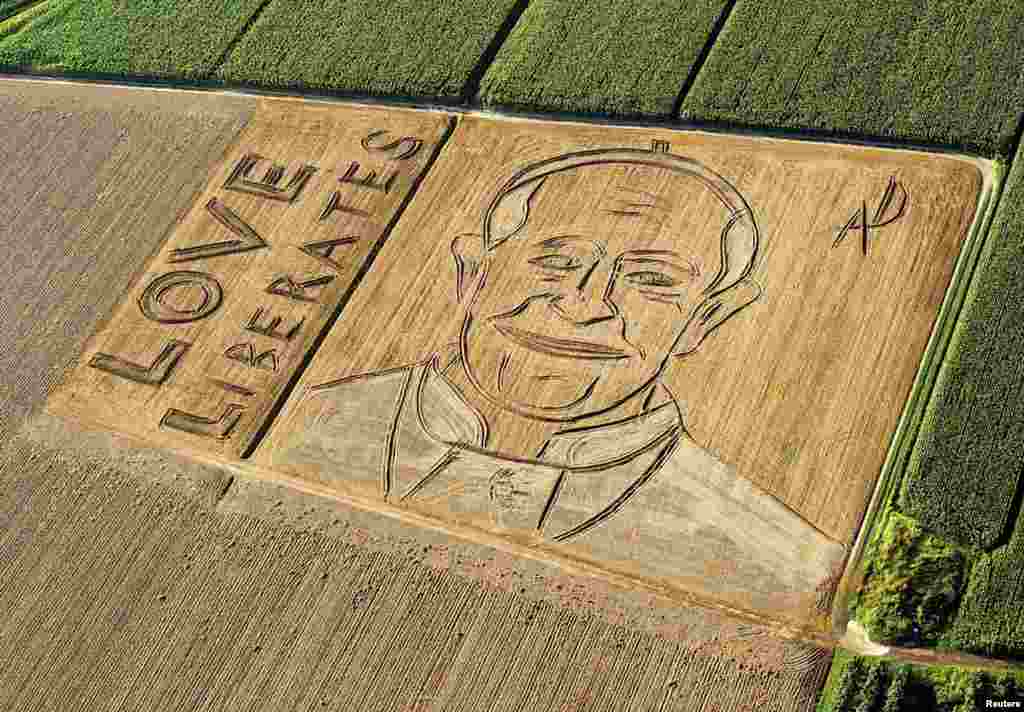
627, 200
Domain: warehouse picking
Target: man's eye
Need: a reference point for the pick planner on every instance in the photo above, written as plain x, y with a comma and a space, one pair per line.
650, 279
561, 262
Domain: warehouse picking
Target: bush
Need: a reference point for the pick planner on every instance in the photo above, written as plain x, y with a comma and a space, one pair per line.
912, 584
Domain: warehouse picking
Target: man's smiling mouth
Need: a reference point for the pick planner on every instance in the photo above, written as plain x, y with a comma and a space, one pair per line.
569, 348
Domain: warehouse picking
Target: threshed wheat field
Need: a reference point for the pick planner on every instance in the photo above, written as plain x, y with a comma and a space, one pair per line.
674, 357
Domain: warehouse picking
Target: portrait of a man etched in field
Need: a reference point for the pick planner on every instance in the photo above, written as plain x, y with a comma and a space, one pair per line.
588, 275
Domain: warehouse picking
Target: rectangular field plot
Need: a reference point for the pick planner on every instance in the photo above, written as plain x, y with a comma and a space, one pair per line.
967, 464
161, 38
403, 47
605, 56
209, 336
675, 356
924, 70
964, 478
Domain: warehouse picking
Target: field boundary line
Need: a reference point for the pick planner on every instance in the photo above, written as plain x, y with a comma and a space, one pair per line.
239, 36
303, 365
904, 439
472, 86
702, 58
432, 104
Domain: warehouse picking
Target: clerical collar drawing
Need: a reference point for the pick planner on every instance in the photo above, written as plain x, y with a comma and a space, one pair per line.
598, 446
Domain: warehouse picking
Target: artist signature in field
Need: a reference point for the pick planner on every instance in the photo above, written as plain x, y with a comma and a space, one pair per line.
891, 208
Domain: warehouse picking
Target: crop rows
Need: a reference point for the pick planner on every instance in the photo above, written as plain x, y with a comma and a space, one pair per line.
990, 620
9, 7
942, 71
156, 38
607, 56
400, 47
858, 684
967, 468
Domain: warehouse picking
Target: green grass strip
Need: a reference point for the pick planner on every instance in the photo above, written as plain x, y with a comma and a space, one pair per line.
410, 48
151, 38
604, 56
968, 463
930, 71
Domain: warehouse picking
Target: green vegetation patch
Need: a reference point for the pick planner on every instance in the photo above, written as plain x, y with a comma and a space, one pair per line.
405, 47
912, 584
945, 71
155, 38
967, 467
859, 684
608, 56
991, 616
9, 7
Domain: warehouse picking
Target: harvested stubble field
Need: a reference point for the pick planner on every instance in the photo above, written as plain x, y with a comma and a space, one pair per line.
137, 579
406, 47
601, 56
157, 38
936, 71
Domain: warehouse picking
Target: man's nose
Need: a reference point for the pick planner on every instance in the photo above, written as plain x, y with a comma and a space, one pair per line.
586, 300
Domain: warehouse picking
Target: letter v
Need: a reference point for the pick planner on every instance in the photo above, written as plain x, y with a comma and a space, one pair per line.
247, 237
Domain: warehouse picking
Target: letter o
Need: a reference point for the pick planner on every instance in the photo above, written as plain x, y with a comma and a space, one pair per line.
154, 307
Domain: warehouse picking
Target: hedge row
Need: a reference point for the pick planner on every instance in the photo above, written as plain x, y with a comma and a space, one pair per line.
413, 48
606, 56
154, 38
936, 71
968, 462
858, 684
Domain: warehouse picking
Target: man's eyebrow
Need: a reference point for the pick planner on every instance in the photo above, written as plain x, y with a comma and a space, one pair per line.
667, 257
561, 240
640, 254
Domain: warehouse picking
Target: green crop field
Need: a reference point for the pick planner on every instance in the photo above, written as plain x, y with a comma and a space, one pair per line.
156, 38
9, 7
858, 684
937, 71
967, 467
963, 482
400, 47
608, 56
990, 620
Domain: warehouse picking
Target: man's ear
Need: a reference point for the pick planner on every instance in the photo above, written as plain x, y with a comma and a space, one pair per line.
713, 312
468, 251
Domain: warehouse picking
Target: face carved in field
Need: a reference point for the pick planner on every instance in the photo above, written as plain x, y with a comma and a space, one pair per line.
588, 278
